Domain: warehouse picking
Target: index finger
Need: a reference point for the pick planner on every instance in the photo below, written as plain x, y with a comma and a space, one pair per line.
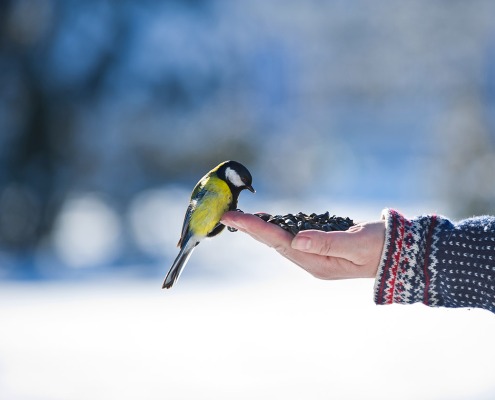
264, 232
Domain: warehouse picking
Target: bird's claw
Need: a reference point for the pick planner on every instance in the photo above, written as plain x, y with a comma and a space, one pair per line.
234, 229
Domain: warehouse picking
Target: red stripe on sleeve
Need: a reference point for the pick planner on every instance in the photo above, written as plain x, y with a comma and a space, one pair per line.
389, 256
427, 254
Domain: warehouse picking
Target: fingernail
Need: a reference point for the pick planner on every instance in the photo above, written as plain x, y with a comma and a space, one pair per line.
301, 243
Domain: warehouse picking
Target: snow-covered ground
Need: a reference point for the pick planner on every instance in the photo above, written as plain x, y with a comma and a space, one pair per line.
270, 332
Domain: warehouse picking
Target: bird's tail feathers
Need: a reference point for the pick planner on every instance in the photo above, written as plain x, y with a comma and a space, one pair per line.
179, 264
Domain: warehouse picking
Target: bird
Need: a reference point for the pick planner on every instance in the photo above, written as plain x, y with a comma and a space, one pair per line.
214, 194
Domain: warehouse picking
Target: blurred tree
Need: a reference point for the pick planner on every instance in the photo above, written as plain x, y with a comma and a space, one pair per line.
467, 158
334, 99
85, 108
26, 188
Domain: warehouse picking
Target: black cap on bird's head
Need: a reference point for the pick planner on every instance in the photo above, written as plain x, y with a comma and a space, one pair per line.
236, 175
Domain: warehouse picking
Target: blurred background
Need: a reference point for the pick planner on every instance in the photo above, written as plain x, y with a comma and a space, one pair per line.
110, 111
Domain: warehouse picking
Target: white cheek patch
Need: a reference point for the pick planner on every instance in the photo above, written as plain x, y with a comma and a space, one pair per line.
234, 177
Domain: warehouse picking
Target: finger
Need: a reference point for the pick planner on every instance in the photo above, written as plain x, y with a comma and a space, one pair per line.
235, 219
267, 233
334, 244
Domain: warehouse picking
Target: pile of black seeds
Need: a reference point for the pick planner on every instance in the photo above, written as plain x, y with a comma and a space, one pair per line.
303, 222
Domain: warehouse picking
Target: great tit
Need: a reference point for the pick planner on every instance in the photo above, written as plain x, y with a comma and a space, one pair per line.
216, 193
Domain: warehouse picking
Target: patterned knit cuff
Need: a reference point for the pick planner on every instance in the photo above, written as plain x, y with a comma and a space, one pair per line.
407, 270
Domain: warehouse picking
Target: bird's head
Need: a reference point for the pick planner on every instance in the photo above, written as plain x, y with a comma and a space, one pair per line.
236, 175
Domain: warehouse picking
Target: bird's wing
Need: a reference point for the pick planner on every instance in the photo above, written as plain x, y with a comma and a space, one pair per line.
196, 196
185, 225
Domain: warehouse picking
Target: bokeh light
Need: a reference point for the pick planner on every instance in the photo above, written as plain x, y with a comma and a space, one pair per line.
86, 233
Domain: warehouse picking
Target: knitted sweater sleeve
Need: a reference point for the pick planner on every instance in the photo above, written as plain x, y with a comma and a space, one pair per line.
432, 260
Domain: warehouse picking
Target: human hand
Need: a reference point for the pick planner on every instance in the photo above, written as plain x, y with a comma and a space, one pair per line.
354, 253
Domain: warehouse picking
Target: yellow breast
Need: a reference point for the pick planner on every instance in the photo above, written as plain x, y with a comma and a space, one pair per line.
212, 206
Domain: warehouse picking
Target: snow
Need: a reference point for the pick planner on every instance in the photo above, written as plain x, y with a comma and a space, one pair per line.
286, 336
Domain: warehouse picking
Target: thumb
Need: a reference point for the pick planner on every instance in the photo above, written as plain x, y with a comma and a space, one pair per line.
334, 244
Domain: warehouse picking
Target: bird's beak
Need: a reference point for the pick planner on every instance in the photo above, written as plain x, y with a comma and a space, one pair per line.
250, 188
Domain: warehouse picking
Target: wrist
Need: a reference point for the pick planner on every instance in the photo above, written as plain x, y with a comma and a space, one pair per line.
407, 269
